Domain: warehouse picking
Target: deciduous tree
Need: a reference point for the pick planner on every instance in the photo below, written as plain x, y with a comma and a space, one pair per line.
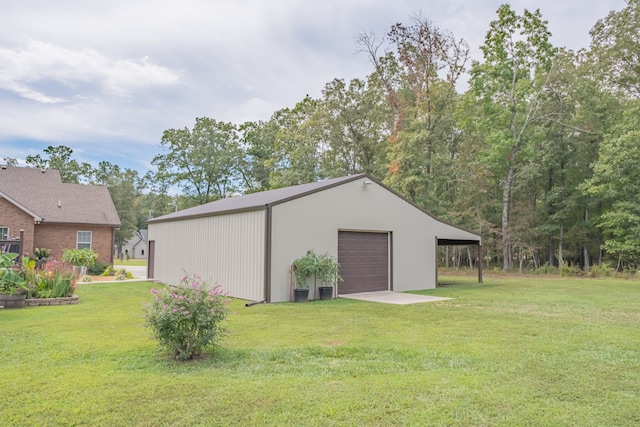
59, 158
510, 85
203, 162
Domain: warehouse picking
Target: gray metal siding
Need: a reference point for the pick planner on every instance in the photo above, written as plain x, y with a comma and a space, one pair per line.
228, 249
313, 222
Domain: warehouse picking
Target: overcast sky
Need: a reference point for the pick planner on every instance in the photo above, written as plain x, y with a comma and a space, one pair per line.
107, 77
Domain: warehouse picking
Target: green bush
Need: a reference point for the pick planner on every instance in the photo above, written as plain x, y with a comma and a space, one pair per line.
11, 281
122, 274
187, 318
82, 258
109, 271
545, 269
97, 269
601, 270
571, 270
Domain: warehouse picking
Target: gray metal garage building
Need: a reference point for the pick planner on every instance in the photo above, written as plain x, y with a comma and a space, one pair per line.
247, 243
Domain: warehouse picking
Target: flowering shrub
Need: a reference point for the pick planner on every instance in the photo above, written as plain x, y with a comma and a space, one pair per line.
187, 318
54, 280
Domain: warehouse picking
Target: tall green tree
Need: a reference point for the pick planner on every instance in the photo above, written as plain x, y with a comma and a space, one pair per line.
616, 183
203, 162
60, 158
354, 120
124, 188
258, 143
296, 143
615, 47
510, 85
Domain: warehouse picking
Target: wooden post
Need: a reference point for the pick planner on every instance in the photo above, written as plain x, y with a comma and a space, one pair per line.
20, 246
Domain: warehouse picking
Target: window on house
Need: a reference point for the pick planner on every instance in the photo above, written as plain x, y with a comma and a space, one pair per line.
4, 233
84, 240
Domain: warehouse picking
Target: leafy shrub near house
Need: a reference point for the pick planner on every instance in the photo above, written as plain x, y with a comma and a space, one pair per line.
83, 258
97, 269
11, 281
123, 273
108, 271
187, 318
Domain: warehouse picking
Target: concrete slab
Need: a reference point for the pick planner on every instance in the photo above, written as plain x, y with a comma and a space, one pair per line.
389, 297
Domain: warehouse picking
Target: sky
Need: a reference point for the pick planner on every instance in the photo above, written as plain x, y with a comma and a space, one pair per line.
107, 77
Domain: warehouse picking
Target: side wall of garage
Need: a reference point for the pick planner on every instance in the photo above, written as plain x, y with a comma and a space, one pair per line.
228, 249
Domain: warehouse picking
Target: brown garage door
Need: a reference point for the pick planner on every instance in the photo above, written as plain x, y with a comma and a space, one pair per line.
364, 261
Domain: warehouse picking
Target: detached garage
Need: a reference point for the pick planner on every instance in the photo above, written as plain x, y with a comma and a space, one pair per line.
247, 243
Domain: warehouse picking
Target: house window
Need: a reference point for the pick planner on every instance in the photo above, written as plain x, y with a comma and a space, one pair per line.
4, 233
84, 240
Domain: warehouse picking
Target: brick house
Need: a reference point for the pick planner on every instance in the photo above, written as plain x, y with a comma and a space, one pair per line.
56, 215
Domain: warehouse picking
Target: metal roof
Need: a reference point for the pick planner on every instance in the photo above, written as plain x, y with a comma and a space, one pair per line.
255, 201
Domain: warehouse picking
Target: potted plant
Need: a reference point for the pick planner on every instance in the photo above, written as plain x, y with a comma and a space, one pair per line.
328, 273
303, 269
12, 285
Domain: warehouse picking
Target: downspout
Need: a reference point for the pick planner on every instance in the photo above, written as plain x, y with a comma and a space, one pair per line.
267, 254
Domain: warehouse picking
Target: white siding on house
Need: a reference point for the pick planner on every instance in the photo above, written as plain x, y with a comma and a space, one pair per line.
228, 249
313, 222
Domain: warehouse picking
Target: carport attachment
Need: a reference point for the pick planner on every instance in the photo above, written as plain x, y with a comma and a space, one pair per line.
462, 242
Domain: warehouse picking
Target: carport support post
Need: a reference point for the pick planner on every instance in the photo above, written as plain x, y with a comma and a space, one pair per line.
480, 261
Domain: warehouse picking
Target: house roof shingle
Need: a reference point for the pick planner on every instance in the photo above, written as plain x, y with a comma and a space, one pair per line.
42, 194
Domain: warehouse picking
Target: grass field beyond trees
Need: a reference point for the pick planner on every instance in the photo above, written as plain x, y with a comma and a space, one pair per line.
535, 352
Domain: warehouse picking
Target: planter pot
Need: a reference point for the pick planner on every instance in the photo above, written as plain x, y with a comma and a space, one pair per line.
300, 295
326, 292
12, 301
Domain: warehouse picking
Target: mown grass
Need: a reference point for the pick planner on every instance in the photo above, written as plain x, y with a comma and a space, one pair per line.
509, 352
125, 263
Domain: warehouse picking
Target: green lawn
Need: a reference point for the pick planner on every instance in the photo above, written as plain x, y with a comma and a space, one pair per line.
125, 263
526, 352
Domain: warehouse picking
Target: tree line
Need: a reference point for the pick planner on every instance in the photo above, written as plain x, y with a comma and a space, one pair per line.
540, 154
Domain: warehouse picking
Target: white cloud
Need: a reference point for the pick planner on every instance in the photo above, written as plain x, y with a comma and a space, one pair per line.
40, 63
117, 73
